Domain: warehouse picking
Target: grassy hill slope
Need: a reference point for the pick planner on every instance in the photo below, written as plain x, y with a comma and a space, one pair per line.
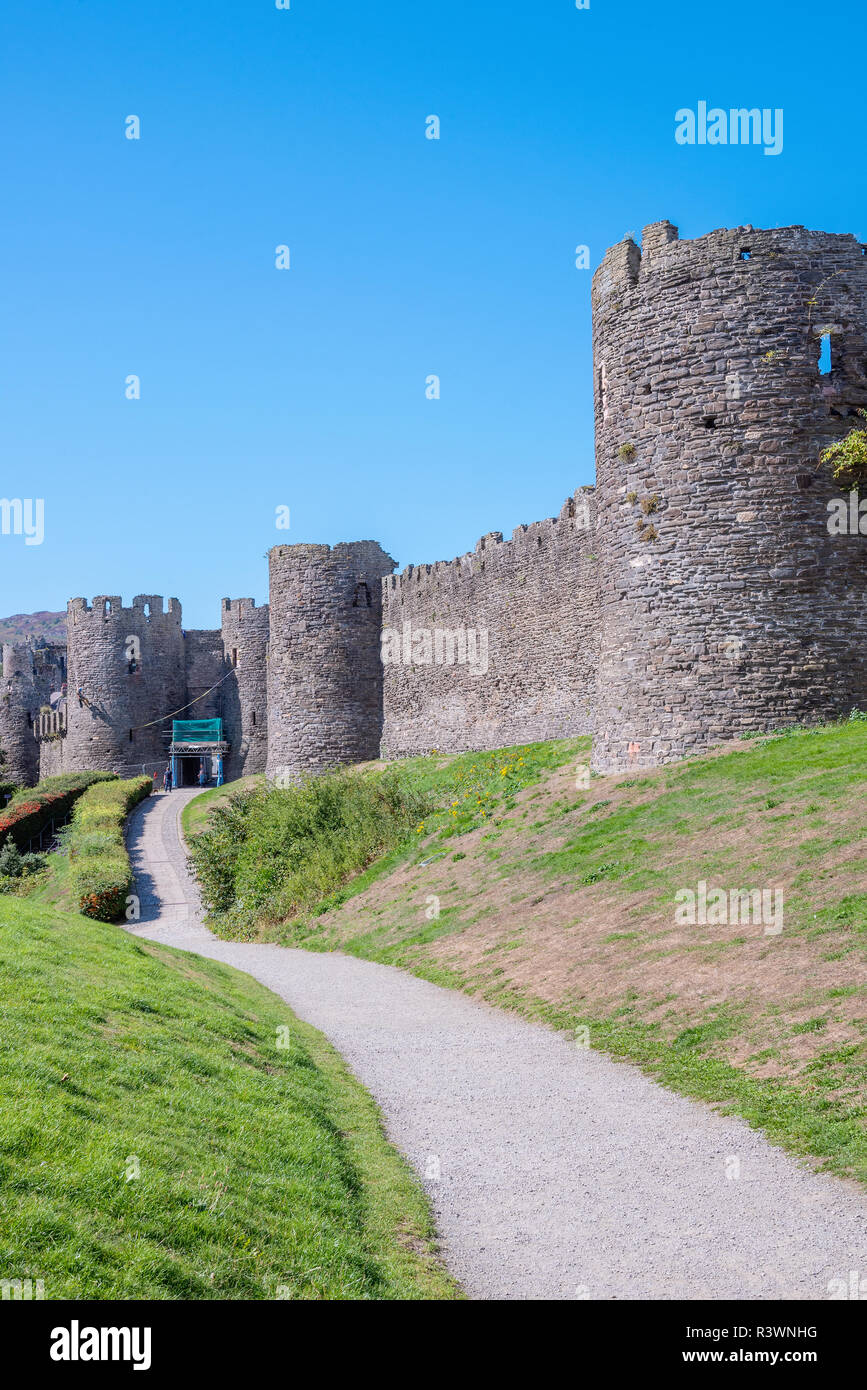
172, 1131
537, 892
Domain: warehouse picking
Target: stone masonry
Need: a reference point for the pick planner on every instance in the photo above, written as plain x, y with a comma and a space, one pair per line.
324, 667
244, 638
31, 674
497, 647
726, 605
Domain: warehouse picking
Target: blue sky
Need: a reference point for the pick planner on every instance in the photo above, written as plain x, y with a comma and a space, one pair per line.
409, 257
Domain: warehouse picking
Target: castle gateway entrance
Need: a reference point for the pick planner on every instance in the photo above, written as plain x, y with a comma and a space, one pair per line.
197, 752
189, 766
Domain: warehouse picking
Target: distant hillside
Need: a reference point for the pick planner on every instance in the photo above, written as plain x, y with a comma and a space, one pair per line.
51, 626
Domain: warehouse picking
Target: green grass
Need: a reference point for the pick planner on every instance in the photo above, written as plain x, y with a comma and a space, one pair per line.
194, 816
262, 1170
652, 844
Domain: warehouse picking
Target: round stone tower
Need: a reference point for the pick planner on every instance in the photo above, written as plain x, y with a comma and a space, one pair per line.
324, 665
245, 630
728, 604
19, 707
126, 670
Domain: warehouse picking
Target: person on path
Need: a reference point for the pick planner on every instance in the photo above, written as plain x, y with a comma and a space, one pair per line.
202, 778
167, 778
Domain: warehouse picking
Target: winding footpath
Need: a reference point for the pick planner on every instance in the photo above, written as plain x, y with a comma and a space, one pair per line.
553, 1171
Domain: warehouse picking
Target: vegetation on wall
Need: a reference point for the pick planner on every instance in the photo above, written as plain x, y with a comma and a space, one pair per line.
847, 459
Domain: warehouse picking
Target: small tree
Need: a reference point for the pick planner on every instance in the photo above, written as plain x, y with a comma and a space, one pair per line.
847, 459
11, 864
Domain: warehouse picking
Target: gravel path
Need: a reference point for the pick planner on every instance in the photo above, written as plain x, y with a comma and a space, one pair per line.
554, 1172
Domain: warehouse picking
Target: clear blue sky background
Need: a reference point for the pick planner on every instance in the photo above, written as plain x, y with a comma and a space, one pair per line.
409, 257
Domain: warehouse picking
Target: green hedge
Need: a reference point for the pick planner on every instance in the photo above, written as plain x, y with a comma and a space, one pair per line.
31, 809
100, 874
7, 789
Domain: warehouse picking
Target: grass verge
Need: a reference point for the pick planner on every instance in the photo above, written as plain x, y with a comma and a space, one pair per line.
195, 815
174, 1132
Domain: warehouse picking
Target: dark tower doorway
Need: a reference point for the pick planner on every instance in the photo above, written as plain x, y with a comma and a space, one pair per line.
190, 771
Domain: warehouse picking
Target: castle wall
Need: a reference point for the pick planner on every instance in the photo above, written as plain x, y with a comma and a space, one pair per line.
324, 667
244, 641
19, 701
726, 604
51, 759
129, 663
31, 674
526, 610
204, 667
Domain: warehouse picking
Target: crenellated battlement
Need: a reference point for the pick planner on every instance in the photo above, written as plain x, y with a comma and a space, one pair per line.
240, 608
665, 264
575, 520
105, 607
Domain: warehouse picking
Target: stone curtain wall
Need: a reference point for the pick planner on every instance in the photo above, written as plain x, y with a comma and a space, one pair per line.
743, 613
324, 667
244, 640
203, 664
51, 760
99, 646
535, 599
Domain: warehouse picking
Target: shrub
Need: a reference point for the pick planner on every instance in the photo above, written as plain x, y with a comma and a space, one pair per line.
32, 808
17, 869
100, 874
64, 782
274, 852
